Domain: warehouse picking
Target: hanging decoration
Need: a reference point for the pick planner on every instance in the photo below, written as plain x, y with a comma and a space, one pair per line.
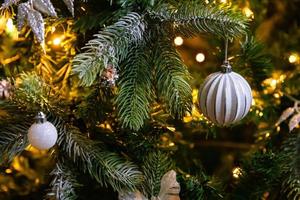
5, 89
26, 13
30, 12
169, 190
42, 134
293, 112
44, 6
225, 97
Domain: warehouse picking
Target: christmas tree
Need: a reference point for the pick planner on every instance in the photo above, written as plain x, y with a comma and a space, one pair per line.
110, 100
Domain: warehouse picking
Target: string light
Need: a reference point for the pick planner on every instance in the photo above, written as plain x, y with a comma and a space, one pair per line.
267, 135
178, 41
200, 57
293, 58
276, 95
171, 144
10, 25
248, 12
236, 172
11, 29
58, 40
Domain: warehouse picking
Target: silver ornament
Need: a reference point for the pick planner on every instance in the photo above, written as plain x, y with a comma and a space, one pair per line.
34, 20
45, 6
70, 6
8, 3
225, 97
23, 9
42, 134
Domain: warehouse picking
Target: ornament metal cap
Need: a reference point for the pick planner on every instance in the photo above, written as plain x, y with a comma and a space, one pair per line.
40, 118
226, 67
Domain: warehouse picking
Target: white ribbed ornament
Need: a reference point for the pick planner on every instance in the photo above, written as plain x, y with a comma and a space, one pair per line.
42, 134
225, 97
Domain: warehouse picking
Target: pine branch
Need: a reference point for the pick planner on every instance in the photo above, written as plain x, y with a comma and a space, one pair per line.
134, 95
291, 167
13, 139
110, 47
198, 188
172, 77
155, 165
191, 18
63, 184
105, 166
253, 59
259, 174
34, 94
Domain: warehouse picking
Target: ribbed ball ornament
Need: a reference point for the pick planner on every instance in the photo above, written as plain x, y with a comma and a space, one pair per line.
225, 97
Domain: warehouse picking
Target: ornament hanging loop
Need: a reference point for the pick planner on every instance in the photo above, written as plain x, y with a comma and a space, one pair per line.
226, 67
40, 118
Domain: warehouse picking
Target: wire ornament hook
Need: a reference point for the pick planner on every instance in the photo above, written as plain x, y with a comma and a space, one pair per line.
226, 67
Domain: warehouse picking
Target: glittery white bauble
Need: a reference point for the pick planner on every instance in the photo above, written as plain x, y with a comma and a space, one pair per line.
225, 97
42, 135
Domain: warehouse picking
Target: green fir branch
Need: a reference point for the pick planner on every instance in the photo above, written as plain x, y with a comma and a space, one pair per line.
63, 183
291, 167
253, 59
134, 95
13, 139
155, 165
172, 76
198, 187
190, 18
110, 47
105, 166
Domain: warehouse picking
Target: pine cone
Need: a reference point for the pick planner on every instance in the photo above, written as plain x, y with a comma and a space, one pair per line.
110, 75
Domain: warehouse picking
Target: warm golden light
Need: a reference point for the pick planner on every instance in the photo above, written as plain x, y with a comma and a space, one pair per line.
171, 144
56, 41
293, 58
200, 57
10, 25
178, 41
248, 12
223, 1
236, 172
276, 95
273, 83
53, 29
267, 135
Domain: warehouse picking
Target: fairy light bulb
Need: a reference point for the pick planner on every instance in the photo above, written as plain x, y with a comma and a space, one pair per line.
293, 58
248, 12
10, 25
57, 41
178, 41
236, 172
200, 57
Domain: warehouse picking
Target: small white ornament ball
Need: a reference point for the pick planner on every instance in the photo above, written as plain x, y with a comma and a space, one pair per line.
225, 97
42, 134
